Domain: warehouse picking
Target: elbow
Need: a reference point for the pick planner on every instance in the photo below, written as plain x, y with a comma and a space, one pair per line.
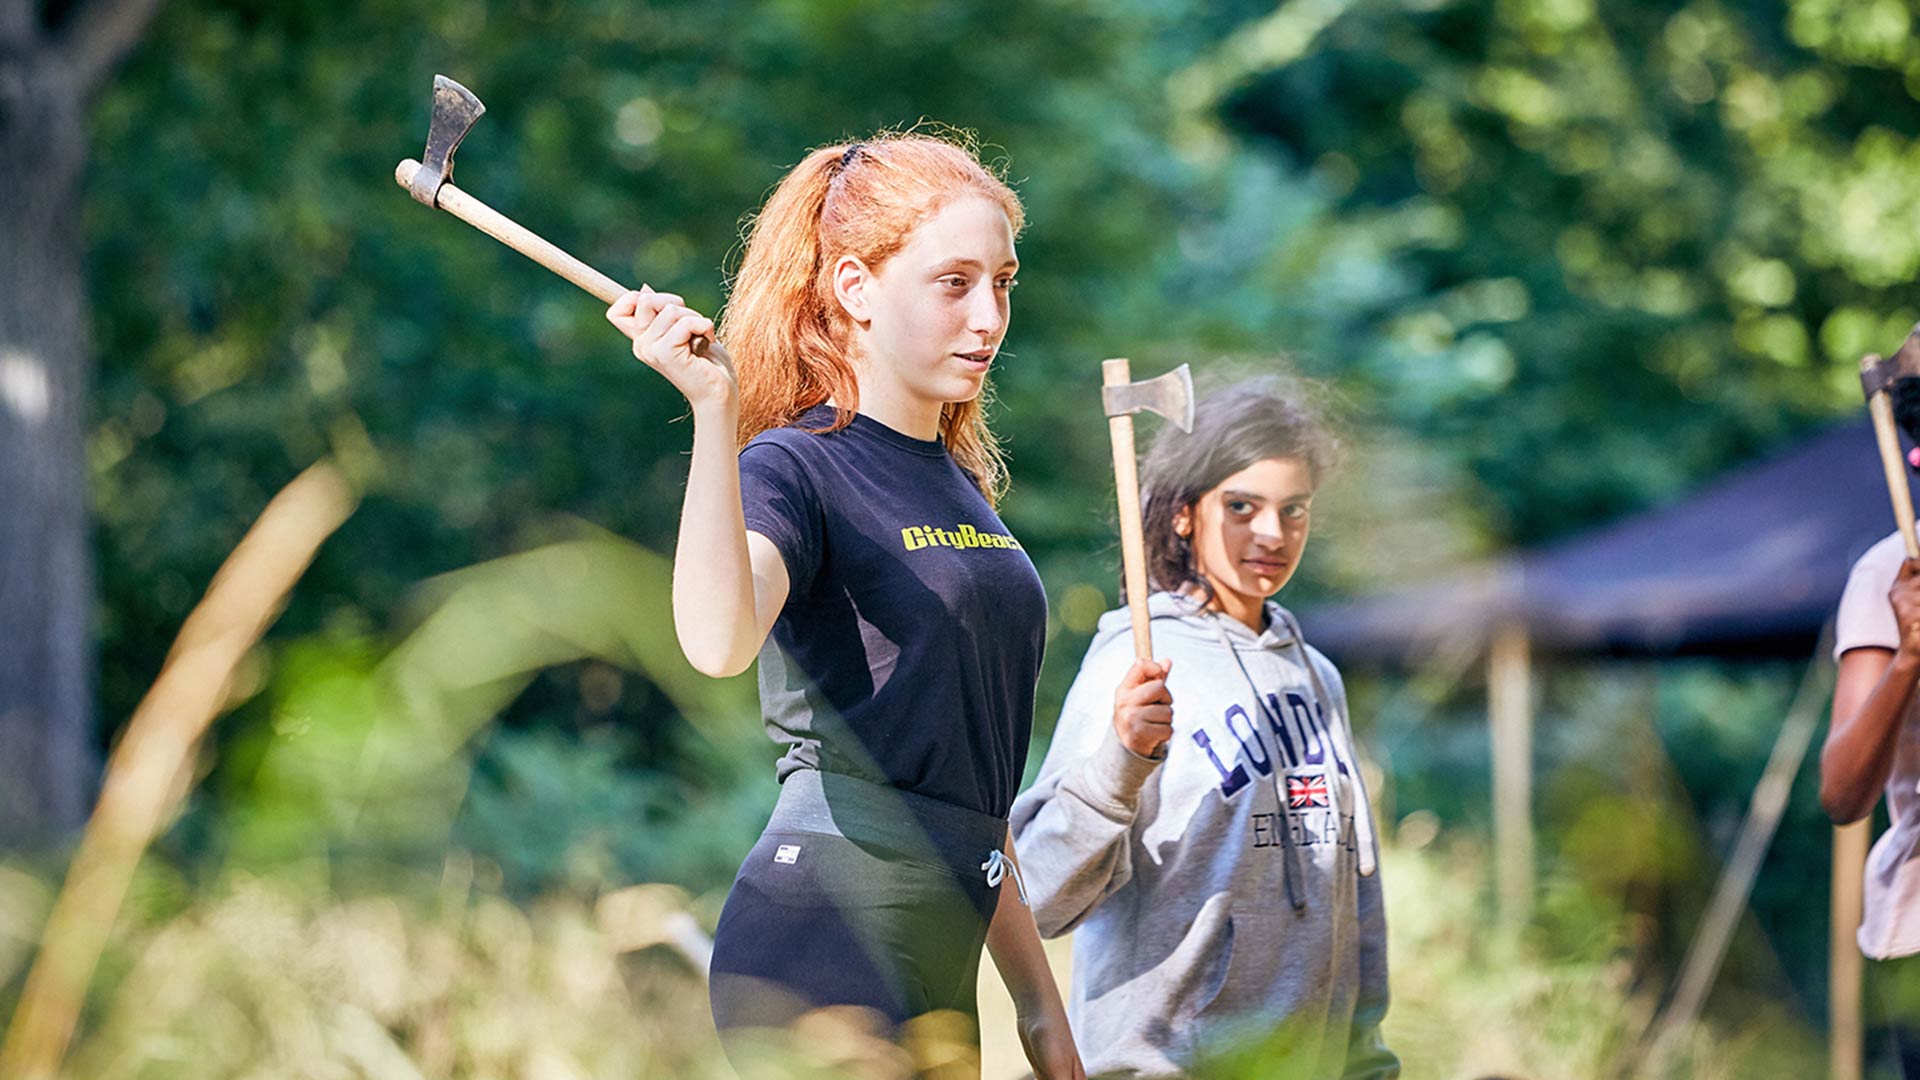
1842, 804
717, 666
714, 662
705, 665
1843, 808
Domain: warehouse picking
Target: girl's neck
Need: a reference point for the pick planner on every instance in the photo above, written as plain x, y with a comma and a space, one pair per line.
904, 414
1246, 611
885, 400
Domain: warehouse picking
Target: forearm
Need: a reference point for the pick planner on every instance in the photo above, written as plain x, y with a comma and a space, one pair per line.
1859, 752
1076, 828
713, 587
1014, 942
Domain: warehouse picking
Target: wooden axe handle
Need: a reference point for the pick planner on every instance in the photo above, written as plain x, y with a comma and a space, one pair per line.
1880, 407
523, 240
1126, 478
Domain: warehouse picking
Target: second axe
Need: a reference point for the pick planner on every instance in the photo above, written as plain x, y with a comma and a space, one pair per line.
1171, 396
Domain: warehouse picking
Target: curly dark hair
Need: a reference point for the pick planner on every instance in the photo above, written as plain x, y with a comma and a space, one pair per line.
1269, 416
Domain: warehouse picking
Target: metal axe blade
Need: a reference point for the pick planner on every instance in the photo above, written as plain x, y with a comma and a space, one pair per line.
1877, 377
1169, 395
1877, 374
455, 109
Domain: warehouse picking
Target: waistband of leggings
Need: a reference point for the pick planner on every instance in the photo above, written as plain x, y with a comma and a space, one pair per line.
917, 826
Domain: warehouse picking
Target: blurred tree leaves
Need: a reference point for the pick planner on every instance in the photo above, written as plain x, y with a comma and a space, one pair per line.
1671, 230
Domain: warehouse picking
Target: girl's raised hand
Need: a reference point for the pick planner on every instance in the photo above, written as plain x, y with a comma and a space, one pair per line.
1143, 709
662, 327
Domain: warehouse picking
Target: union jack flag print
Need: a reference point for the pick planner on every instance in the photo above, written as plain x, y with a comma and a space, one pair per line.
1306, 791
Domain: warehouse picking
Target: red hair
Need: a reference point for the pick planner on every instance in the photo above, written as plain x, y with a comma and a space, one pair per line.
789, 337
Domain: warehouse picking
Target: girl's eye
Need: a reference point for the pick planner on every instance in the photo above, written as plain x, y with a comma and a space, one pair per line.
1239, 506
954, 281
1296, 511
1005, 284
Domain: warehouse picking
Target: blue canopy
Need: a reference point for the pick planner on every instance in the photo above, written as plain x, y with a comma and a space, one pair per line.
1752, 565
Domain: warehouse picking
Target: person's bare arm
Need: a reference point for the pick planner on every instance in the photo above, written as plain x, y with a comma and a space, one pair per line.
728, 584
1014, 942
1871, 696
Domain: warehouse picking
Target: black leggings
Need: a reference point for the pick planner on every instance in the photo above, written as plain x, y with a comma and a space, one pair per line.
816, 919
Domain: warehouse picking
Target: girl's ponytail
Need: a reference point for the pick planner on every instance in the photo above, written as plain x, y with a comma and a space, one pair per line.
777, 325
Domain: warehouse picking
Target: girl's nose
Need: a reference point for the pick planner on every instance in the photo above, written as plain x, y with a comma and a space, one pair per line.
984, 315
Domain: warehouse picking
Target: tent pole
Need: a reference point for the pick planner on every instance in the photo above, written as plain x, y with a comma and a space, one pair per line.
1735, 887
1510, 717
1845, 1041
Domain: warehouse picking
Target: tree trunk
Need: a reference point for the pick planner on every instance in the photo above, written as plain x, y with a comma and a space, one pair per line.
48, 761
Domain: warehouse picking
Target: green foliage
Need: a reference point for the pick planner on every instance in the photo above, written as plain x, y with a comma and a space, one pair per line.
354, 750
1469, 1001
556, 812
1682, 224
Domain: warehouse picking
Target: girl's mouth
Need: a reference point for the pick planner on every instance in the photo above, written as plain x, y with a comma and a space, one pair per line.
979, 360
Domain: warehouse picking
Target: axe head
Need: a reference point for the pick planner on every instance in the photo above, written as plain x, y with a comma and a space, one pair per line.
454, 111
1877, 374
1170, 395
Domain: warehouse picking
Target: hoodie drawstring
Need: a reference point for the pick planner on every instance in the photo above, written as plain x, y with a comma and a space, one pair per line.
1292, 867
1363, 806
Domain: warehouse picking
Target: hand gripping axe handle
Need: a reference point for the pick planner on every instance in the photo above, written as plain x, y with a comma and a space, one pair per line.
1877, 377
1170, 395
455, 110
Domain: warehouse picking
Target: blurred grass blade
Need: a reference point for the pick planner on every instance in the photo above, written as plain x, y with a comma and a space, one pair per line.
146, 776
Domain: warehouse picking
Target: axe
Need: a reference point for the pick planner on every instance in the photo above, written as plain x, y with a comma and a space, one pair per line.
1877, 377
1170, 395
455, 109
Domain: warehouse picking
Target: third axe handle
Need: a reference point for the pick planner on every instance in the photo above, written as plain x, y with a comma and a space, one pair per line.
523, 240
1126, 477
1880, 406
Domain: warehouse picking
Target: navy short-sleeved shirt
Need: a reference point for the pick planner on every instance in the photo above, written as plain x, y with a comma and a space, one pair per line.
911, 639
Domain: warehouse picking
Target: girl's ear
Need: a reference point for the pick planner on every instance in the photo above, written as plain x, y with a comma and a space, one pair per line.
1183, 522
850, 280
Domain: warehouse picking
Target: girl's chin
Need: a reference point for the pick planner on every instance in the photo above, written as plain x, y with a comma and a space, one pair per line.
1262, 586
956, 391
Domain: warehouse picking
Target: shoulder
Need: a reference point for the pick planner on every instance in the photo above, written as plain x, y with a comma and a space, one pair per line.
1112, 645
1177, 636
789, 440
1322, 664
1882, 560
784, 451
1326, 668
1865, 617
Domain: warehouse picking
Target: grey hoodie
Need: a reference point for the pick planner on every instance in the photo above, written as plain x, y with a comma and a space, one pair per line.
1225, 896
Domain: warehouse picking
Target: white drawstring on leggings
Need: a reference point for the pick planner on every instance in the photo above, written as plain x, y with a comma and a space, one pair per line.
996, 866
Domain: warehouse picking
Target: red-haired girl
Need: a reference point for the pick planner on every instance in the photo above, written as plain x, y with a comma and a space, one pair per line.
852, 546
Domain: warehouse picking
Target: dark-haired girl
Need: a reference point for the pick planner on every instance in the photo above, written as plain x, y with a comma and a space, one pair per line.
1874, 744
1204, 827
